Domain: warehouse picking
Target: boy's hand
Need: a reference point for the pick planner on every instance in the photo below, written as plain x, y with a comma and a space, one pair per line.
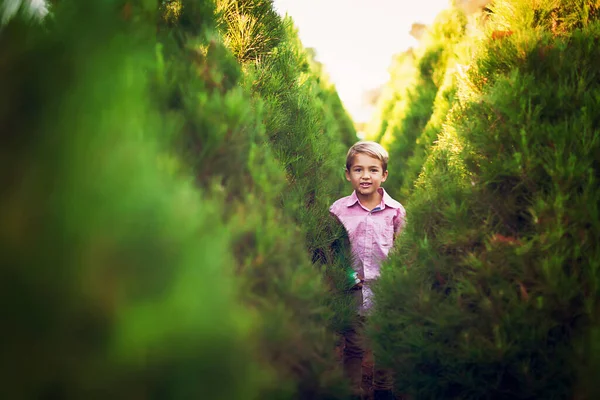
358, 285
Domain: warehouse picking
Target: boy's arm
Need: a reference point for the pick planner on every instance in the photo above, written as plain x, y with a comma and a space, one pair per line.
333, 210
358, 278
399, 221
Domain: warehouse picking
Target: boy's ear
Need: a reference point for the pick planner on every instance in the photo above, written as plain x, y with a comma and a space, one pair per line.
347, 175
384, 176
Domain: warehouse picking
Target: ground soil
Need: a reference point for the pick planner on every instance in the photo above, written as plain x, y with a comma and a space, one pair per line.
367, 369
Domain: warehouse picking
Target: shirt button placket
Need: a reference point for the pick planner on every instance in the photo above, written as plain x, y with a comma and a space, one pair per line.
368, 242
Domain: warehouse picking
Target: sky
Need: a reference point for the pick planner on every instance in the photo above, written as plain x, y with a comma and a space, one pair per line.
356, 39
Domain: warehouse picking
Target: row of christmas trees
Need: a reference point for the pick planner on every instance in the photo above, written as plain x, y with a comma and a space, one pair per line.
494, 138
167, 169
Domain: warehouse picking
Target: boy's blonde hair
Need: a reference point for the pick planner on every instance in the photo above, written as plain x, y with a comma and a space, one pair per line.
371, 149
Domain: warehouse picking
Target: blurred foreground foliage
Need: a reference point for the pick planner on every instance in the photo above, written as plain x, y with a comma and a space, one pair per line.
165, 188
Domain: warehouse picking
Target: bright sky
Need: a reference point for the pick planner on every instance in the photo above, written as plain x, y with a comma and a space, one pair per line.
356, 39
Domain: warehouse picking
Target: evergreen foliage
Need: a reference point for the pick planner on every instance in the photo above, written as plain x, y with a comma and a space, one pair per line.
295, 103
493, 290
103, 249
167, 230
403, 125
402, 71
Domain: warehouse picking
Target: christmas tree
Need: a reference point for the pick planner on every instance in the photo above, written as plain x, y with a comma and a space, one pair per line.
165, 191
492, 292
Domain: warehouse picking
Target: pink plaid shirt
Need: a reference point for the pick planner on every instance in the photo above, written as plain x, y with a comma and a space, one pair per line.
371, 233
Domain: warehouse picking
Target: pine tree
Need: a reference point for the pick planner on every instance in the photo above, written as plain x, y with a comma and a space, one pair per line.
153, 189
283, 237
103, 246
493, 290
417, 76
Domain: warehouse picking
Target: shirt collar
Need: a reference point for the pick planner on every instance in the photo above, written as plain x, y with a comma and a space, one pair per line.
386, 200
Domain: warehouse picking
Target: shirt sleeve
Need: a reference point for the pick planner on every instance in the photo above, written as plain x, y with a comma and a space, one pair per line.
399, 220
333, 210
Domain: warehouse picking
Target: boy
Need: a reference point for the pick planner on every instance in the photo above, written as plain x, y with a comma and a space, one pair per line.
373, 220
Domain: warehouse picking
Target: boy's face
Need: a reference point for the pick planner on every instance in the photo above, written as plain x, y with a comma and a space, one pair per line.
366, 175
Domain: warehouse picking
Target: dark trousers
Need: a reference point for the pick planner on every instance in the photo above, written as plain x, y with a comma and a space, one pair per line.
355, 345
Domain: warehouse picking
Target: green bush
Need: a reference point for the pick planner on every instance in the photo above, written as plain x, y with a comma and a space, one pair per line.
406, 125
493, 290
107, 256
164, 236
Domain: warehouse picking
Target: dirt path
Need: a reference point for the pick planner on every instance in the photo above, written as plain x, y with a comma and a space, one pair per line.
367, 369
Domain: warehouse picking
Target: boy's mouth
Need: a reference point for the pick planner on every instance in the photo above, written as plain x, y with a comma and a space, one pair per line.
365, 185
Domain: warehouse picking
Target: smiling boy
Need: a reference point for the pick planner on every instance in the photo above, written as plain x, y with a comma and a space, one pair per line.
373, 220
